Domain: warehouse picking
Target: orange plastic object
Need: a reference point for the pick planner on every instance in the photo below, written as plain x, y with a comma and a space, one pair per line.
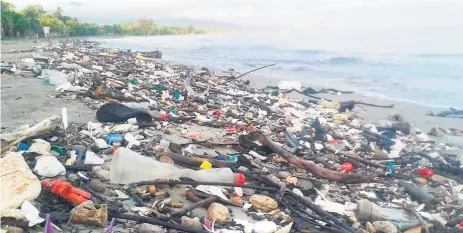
98, 91
425, 172
347, 167
196, 135
66, 191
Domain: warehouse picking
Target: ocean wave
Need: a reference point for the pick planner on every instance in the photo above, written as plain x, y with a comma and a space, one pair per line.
307, 51
440, 55
340, 61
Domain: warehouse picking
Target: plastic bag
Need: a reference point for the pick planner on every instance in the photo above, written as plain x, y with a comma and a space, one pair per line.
54, 77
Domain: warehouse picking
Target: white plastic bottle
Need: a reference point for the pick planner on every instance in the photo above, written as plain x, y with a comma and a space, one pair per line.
128, 166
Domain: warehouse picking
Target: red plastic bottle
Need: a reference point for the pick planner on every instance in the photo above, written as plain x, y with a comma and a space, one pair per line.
66, 191
425, 172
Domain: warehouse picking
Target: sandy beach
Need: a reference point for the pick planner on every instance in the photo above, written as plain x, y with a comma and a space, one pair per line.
28, 100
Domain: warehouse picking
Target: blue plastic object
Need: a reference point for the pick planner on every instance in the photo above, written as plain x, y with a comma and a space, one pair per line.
233, 159
22, 146
391, 166
114, 138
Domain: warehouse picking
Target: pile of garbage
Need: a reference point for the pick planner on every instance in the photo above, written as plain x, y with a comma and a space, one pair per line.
181, 149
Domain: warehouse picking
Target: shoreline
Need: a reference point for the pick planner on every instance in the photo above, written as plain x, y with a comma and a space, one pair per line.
412, 112
151, 122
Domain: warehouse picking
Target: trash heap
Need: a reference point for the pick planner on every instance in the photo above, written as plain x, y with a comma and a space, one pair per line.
180, 149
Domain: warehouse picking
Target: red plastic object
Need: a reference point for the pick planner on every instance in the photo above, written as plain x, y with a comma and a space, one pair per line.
333, 141
461, 225
231, 130
216, 113
164, 116
66, 191
347, 167
240, 178
425, 172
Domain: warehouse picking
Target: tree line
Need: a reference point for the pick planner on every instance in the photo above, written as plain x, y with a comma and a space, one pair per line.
30, 21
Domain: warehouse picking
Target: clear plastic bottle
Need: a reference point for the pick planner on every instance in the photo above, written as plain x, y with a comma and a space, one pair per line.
128, 166
368, 211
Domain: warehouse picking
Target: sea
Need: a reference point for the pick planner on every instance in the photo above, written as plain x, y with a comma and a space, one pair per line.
407, 66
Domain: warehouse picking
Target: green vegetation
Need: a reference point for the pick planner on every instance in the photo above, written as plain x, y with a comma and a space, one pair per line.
32, 19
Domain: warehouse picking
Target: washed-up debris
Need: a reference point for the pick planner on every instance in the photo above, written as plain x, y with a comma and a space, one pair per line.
178, 148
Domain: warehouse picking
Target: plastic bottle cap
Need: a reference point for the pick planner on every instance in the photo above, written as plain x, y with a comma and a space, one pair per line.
425, 172
239, 178
205, 165
347, 167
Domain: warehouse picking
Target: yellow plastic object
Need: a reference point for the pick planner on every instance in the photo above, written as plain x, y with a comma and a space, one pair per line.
205, 165
340, 118
291, 180
329, 105
140, 57
104, 54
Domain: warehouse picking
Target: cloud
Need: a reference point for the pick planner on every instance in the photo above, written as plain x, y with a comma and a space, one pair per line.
269, 13
75, 3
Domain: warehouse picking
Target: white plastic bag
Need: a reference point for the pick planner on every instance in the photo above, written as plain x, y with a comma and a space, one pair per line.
54, 77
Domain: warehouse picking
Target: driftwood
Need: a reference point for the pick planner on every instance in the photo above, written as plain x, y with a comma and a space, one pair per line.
311, 166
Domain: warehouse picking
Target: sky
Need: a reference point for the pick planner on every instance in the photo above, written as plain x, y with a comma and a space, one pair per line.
279, 14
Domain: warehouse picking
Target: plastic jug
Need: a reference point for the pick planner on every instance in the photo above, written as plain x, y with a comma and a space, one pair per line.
128, 166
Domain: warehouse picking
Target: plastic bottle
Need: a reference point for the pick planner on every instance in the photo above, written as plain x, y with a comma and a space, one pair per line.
66, 191
368, 211
128, 166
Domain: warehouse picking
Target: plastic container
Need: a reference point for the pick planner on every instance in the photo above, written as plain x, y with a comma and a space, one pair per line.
66, 191
114, 140
128, 166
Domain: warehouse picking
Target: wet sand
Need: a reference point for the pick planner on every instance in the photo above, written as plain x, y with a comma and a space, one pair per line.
27, 100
